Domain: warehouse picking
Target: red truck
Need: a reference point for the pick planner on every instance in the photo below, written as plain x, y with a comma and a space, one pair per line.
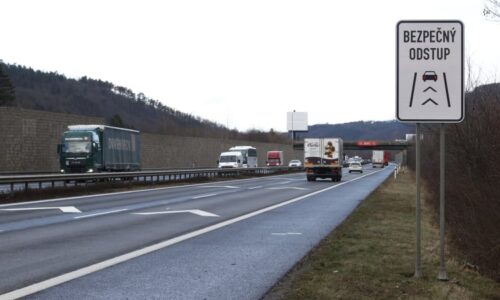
275, 158
387, 158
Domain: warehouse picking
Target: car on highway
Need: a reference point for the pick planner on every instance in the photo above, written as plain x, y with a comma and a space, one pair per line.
295, 163
429, 75
231, 159
355, 167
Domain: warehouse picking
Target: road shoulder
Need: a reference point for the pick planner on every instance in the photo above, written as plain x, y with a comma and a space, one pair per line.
371, 255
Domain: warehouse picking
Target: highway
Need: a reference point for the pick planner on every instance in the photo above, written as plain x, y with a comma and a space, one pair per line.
226, 240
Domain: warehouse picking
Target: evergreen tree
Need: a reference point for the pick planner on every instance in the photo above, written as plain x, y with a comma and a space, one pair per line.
117, 121
7, 92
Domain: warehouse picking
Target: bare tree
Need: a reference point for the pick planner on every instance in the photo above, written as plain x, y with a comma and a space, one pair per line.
492, 10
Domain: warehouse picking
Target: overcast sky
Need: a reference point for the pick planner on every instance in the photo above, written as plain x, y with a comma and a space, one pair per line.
239, 63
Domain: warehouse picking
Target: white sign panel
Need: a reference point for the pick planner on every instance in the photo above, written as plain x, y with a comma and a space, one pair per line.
296, 121
430, 71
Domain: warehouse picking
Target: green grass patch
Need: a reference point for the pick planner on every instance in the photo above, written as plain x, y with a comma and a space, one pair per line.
372, 256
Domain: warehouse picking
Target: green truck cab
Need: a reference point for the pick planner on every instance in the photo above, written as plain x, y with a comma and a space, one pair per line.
99, 148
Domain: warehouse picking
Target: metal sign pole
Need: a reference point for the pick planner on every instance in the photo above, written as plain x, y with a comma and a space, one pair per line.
418, 263
442, 269
430, 91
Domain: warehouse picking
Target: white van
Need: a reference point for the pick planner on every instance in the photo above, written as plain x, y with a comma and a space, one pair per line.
232, 159
249, 154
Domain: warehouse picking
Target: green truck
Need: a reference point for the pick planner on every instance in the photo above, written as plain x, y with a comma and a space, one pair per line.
99, 148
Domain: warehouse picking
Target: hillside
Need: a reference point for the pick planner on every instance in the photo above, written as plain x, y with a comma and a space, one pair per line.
122, 107
361, 130
118, 105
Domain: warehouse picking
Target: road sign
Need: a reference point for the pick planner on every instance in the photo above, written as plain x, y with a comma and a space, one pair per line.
367, 143
296, 121
430, 71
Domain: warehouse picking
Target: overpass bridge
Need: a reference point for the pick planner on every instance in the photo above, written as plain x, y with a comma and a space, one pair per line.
366, 145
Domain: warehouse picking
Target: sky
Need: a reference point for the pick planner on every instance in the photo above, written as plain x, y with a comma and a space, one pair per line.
243, 64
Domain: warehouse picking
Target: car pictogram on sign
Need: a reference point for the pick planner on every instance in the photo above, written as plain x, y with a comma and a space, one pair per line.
429, 75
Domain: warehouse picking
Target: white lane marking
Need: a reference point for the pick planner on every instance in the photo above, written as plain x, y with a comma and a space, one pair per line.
286, 178
288, 188
99, 214
198, 212
286, 182
137, 191
286, 233
220, 186
64, 209
255, 187
203, 196
42, 285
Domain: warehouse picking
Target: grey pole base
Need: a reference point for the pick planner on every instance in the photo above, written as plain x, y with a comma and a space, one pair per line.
442, 276
418, 261
442, 269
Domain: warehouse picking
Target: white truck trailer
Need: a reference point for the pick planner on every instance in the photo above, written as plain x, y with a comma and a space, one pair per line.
378, 158
323, 158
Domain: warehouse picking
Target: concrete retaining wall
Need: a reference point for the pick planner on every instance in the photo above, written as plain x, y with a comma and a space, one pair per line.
29, 138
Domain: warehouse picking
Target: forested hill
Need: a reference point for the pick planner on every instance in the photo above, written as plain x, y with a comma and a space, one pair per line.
362, 130
122, 107
118, 105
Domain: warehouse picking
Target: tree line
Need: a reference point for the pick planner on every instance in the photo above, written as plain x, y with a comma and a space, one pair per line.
49, 91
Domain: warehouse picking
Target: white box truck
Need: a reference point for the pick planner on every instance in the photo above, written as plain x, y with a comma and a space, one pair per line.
378, 158
323, 158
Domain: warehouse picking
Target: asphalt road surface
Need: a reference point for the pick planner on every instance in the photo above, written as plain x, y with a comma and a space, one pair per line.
226, 240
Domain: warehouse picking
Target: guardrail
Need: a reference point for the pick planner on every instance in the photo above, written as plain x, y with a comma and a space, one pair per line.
32, 181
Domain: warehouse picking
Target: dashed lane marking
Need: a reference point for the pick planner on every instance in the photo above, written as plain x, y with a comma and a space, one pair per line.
203, 196
100, 214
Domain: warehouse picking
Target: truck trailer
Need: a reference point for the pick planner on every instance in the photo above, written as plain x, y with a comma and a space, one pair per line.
323, 158
387, 158
99, 148
275, 158
378, 158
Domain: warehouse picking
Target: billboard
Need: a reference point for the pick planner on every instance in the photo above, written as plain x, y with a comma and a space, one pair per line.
296, 121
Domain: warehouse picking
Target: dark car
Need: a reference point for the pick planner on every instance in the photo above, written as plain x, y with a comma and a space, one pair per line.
429, 75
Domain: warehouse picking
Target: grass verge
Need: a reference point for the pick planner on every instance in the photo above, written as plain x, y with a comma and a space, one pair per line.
372, 256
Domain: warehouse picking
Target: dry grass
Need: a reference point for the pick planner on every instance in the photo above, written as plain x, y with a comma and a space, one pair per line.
372, 256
